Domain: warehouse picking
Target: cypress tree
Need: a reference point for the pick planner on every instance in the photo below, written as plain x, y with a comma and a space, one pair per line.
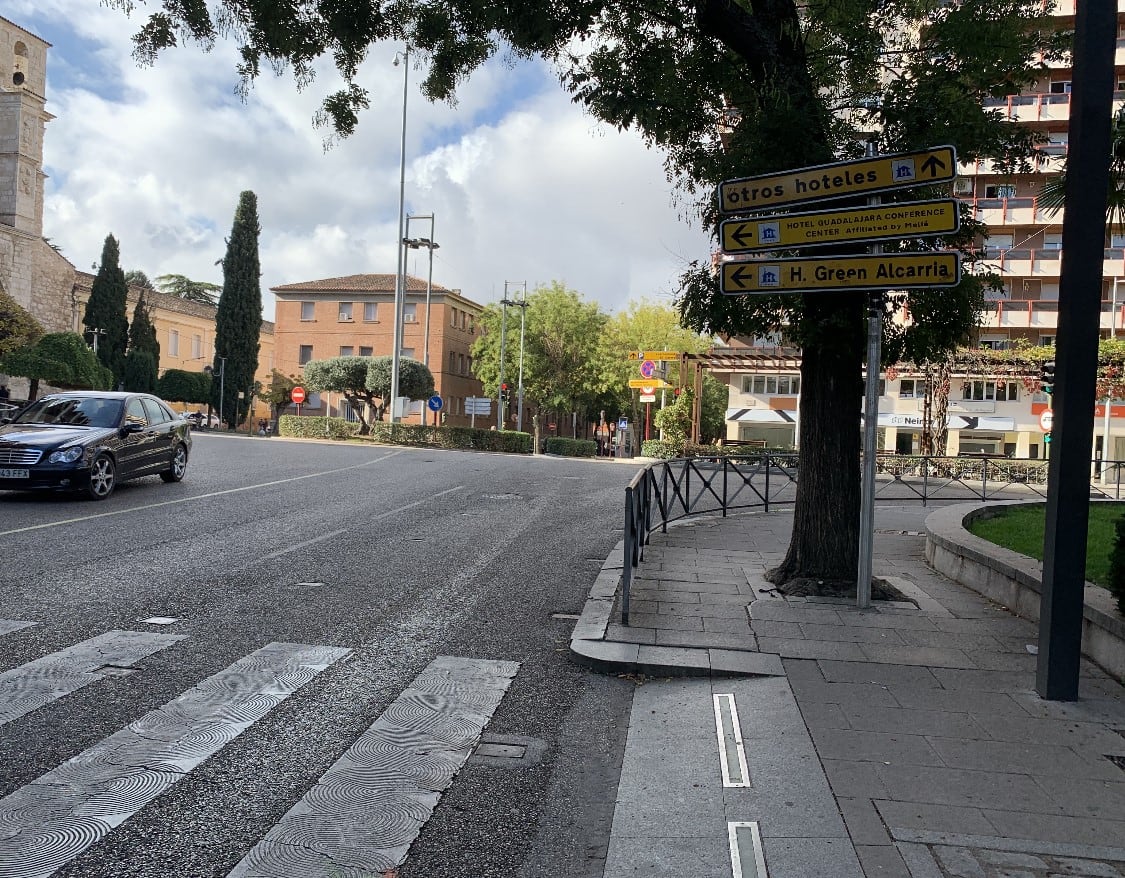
105, 318
238, 320
143, 359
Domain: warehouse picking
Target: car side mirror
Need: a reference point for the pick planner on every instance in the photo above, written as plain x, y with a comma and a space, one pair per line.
4, 421
131, 428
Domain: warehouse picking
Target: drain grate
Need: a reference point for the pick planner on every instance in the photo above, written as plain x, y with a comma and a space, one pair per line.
732, 755
509, 751
571, 616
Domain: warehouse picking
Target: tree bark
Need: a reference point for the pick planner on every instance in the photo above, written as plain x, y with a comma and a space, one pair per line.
825, 539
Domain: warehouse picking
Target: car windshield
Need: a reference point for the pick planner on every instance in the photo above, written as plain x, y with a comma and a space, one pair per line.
72, 411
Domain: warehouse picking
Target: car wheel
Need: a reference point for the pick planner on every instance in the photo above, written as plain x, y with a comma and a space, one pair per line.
179, 465
103, 477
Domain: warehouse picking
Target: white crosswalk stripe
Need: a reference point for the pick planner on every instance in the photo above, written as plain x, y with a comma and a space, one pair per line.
363, 813
54, 676
7, 626
51, 820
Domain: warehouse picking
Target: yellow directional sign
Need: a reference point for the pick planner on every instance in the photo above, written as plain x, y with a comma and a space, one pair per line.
657, 383
893, 271
661, 356
916, 219
824, 182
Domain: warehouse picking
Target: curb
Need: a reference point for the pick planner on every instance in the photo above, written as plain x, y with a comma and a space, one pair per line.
590, 648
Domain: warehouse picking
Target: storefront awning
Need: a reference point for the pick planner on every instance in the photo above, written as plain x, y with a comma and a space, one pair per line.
954, 422
761, 416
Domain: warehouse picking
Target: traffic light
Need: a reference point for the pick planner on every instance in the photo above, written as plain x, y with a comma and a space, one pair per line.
1047, 438
504, 392
1047, 377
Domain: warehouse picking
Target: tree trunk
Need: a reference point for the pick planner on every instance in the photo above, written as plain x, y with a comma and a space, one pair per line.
825, 541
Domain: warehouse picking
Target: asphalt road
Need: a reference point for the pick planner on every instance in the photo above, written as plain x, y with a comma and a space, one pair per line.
399, 555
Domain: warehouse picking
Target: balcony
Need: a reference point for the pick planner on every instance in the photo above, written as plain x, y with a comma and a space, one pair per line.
1032, 107
1044, 315
1009, 211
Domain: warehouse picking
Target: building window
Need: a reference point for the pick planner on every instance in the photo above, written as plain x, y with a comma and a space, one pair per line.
911, 388
305, 354
1000, 191
782, 385
471, 330
452, 362
408, 353
1052, 241
370, 311
452, 316
346, 311
1047, 341
1060, 87
409, 312
366, 351
197, 347
347, 350
174, 342
991, 391
461, 364
308, 310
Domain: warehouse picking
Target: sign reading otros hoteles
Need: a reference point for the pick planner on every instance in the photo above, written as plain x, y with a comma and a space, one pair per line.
838, 180
893, 271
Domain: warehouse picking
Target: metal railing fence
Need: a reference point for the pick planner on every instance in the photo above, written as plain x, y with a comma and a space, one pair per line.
670, 490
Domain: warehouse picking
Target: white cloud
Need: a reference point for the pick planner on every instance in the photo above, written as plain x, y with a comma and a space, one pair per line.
522, 184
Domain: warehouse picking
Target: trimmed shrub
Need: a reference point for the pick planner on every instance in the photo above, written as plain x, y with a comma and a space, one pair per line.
659, 448
316, 428
509, 441
1116, 583
570, 447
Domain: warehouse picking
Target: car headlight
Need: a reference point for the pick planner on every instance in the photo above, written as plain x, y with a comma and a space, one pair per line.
66, 455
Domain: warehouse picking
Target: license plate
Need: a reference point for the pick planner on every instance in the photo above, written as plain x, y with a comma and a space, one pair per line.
14, 474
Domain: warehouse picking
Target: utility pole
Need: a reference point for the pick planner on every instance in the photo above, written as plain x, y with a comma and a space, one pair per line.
520, 303
500, 387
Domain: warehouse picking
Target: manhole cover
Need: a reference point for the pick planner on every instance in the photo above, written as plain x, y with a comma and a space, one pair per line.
504, 751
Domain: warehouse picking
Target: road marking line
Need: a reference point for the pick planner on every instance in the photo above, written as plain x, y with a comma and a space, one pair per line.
7, 626
53, 819
54, 676
20, 530
732, 755
398, 510
747, 859
362, 815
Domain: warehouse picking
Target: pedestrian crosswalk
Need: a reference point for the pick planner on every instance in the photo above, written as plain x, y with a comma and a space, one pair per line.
362, 814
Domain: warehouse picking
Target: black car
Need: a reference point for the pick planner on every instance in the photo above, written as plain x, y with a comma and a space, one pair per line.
88, 441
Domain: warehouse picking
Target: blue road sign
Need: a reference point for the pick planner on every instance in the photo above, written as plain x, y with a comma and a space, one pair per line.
623, 424
435, 403
647, 368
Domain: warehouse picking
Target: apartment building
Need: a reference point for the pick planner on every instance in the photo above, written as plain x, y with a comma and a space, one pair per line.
354, 316
994, 413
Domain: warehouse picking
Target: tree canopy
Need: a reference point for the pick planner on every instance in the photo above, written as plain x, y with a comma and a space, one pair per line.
793, 84
61, 359
106, 324
184, 287
238, 319
18, 329
179, 385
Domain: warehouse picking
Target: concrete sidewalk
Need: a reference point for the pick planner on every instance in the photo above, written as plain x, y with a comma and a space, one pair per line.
904, 740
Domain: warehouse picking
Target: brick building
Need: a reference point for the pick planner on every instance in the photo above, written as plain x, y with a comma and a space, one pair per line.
353, 316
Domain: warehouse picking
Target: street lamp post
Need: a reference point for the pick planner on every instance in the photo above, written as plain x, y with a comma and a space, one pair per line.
1109, 395
500, 388
222, 381
521, 303
400, 276
431, 245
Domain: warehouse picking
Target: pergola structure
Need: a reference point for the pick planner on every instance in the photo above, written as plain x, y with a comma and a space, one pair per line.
734, 359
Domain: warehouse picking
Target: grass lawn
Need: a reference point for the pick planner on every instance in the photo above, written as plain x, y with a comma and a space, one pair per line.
1020, 528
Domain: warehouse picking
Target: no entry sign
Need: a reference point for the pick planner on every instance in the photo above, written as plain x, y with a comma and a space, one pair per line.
297, 394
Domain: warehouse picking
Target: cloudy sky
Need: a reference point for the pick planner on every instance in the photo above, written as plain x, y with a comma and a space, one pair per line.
523, 185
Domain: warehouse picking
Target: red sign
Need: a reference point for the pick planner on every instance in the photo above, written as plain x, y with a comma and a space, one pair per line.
297, 394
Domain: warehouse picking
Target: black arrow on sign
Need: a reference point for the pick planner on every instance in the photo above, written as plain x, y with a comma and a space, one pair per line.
932, 164
739, 237
739, 274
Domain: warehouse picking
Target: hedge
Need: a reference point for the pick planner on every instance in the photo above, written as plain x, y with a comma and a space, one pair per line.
316, 427
510, 441
570, 447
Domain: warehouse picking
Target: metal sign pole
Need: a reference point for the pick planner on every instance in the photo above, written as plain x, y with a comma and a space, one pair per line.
870, 434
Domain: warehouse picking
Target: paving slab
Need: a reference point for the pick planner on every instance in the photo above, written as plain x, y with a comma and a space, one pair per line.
905, 740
